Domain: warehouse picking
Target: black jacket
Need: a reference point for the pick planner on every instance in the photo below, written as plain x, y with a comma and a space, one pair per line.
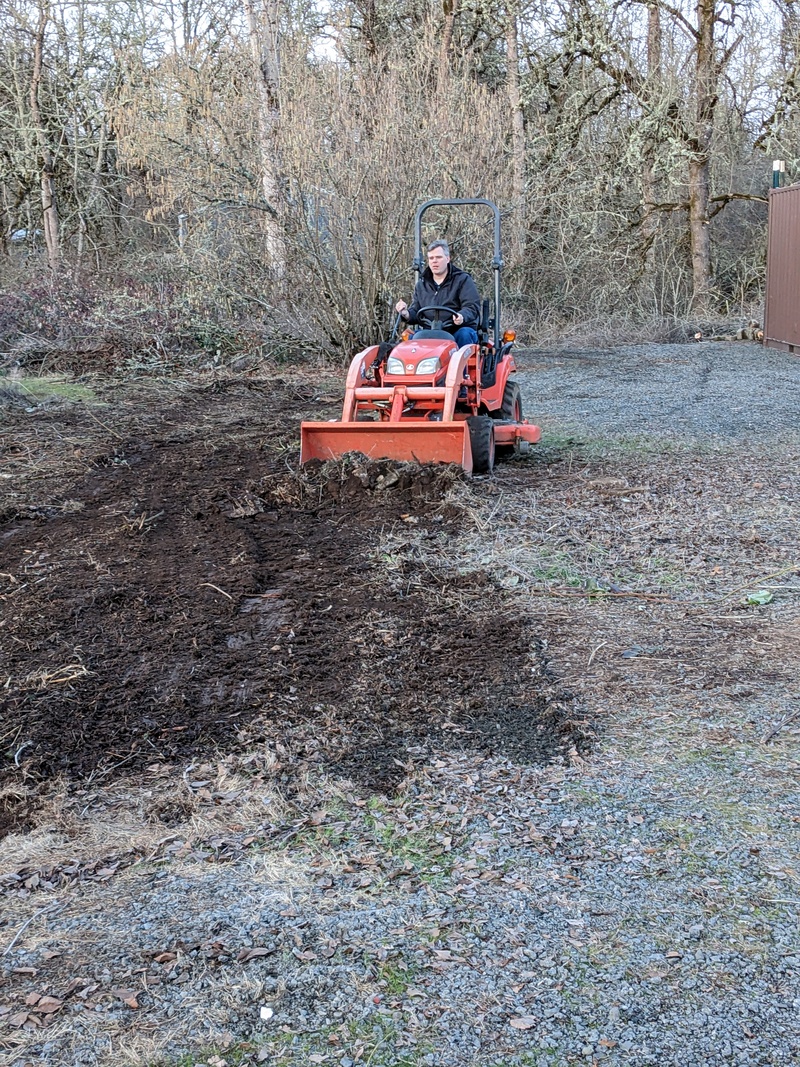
458, 291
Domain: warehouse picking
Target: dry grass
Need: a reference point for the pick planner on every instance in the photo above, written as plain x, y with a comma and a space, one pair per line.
123, 821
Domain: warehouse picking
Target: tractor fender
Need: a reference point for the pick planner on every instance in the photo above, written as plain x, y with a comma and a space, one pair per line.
504, 368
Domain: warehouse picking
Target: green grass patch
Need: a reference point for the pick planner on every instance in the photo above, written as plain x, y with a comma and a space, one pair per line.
233, 1056
393, 977
49, 386
561, 444
416, 848
371, 1041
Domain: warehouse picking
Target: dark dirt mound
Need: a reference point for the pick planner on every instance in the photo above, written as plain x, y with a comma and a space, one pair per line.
189, 590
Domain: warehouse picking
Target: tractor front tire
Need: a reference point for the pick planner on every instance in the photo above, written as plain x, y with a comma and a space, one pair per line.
481, 439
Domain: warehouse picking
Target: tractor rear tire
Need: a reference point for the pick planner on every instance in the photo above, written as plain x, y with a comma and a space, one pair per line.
481, 439
511, 408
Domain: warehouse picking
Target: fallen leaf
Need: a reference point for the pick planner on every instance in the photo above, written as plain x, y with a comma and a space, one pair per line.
32, 999
48, 1005
307, 955
165, 957
523, 1022
19, 1019
759, 598
253, 953
127, 996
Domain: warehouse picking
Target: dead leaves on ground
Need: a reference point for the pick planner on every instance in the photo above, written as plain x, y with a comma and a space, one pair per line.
41, 1009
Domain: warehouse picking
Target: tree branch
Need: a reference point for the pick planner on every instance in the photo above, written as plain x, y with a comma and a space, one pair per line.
725, 198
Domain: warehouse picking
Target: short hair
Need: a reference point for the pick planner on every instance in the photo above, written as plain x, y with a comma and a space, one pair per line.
445, 247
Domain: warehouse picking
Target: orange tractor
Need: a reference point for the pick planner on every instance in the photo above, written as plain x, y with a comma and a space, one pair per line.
427, 400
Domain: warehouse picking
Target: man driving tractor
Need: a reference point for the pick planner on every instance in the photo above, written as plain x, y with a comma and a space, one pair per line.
443, 285
423, 399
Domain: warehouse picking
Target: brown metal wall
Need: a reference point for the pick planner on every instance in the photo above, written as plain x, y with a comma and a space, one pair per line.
782, 303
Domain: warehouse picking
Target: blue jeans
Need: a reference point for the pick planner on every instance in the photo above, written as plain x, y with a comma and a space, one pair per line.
464, 335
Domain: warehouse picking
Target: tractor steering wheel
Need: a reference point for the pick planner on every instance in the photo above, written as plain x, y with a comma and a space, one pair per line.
433, 322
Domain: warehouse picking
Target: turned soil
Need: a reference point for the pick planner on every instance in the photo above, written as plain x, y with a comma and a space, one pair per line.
173, 586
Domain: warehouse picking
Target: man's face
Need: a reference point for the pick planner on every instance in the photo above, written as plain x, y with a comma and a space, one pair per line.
438, 260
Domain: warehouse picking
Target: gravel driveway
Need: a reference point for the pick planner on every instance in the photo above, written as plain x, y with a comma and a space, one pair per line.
737, 394
633, 903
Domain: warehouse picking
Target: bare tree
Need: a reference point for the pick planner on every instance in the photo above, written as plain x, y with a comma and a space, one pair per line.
263, 25
710, 38
47, 160
518, 135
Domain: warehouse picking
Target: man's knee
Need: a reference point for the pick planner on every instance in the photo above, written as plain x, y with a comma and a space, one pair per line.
466, 335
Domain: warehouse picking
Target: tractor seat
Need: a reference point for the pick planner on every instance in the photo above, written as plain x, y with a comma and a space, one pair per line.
433, 335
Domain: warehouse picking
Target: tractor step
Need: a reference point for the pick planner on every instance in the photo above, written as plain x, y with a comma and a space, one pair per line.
514, 433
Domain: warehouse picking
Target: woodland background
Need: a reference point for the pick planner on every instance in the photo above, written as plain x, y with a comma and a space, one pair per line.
240, 176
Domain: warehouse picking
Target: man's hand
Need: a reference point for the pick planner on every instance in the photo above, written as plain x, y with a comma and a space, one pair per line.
458, 319
401, 307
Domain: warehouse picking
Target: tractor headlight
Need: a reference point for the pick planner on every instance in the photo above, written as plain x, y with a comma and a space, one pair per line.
429, 366
394, 365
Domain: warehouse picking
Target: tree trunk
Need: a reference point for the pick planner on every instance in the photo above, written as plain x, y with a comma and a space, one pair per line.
652, 88
705, 101
518, 180
264, 32
47, 182
699, 232
450, 8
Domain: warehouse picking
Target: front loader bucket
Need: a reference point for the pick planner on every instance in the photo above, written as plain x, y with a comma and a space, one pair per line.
422, 442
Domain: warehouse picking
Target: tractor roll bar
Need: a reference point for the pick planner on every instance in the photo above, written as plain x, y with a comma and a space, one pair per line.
497, 260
